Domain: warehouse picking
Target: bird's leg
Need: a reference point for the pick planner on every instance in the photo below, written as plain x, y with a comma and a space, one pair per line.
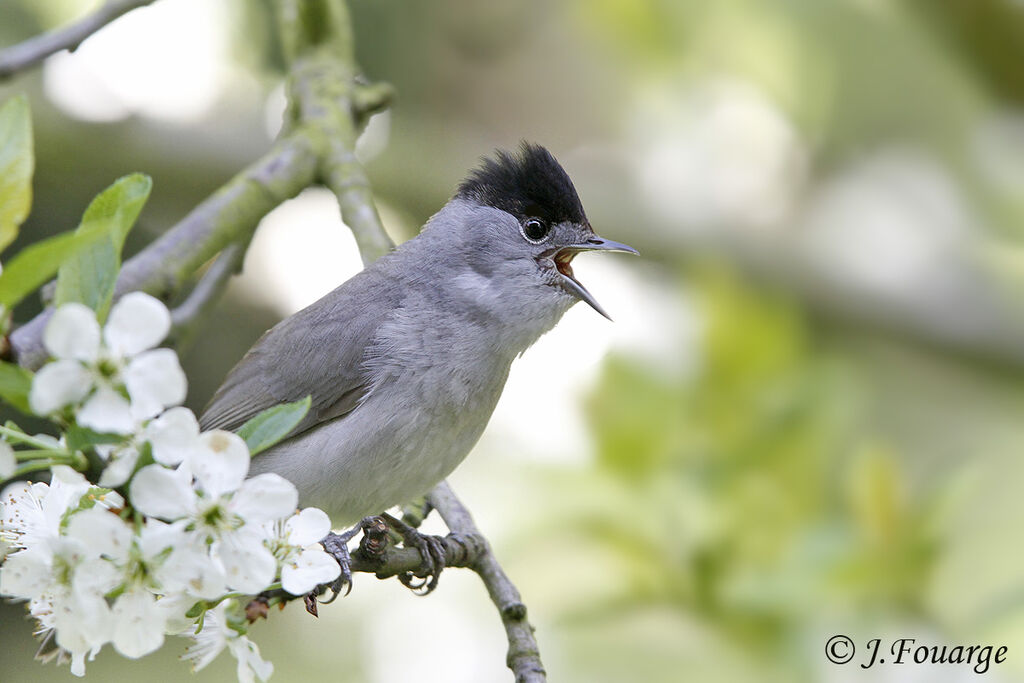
431, 550
336, 546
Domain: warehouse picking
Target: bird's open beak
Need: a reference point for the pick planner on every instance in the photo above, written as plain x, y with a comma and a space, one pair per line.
563, 257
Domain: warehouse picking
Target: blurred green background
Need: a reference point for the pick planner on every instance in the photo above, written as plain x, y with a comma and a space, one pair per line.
807, 419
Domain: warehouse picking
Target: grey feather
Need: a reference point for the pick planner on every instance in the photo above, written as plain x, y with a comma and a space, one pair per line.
317, 352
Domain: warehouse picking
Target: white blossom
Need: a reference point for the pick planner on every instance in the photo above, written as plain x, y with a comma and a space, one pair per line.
217, 634
173, 437
71, 553
32, 513
304, 564
116, 375
70, 579
95, 569
222, 509
138, 623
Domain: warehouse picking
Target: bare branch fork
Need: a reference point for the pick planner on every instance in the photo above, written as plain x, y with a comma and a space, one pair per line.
31, 52
328, 106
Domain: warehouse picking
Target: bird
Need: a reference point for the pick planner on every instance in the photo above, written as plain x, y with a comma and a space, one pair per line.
404, 362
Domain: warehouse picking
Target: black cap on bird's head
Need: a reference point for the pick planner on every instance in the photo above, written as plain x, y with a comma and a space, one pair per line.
530, 184
534, 188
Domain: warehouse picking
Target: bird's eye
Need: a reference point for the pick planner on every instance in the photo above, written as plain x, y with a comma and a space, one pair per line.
535, 230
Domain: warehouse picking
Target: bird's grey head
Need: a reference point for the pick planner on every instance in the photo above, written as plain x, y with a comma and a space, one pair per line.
523, 221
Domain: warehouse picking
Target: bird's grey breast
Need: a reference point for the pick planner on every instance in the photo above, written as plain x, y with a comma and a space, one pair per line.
432, 380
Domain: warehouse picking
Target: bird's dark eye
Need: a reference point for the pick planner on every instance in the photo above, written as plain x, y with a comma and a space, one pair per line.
535, 230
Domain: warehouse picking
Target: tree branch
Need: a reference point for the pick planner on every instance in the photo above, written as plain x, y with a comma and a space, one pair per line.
231, 214
27, 54
523, 654
326, 96
460, 550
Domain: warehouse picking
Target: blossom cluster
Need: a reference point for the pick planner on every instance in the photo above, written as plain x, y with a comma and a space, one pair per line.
167, 535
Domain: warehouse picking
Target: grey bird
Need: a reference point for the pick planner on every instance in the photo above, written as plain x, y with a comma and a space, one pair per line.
405, 361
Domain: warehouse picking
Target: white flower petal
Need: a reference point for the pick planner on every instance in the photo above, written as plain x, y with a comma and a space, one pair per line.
191, 571
265, 497
250, 663
58, 384
137, 322
308, 526
25, 574
66, 488
73, 333
107, 411
174, 436
308, 570
159, 492
248, 564
120, 464
174, 608
138, 624
8, 463
95, 578
156, 536
103, 532
210, 640
224, 465
155, 381
83, 624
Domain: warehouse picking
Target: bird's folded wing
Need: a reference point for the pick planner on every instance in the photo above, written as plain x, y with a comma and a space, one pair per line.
318, 352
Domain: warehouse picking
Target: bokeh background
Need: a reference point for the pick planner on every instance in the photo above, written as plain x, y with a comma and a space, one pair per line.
808, 417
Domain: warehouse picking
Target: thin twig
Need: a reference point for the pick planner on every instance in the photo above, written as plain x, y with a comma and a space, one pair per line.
27, 54
523, 653
189, 315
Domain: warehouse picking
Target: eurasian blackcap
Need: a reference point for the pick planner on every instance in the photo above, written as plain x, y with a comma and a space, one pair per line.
405, 361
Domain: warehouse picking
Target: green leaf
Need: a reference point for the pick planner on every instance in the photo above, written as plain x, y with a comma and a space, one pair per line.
89, 277
16, 164
81, 438
36, 263
273, 424
15, 383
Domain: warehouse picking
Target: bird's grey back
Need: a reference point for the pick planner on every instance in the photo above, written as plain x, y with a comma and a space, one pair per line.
317, 352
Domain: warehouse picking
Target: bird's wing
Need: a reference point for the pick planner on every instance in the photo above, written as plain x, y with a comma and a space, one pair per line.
317, 352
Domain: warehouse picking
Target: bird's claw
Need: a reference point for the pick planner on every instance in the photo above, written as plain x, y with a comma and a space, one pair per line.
336, 545
431, 550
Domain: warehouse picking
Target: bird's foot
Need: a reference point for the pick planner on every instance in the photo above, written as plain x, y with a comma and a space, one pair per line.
336, 545
431, 550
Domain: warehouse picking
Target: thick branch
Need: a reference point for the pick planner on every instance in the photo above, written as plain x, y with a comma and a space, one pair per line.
229, 215
34, 50
326, 95
523, 653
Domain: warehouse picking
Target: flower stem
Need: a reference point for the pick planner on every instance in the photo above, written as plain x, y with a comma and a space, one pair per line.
18, 436
33, 466
56, 455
